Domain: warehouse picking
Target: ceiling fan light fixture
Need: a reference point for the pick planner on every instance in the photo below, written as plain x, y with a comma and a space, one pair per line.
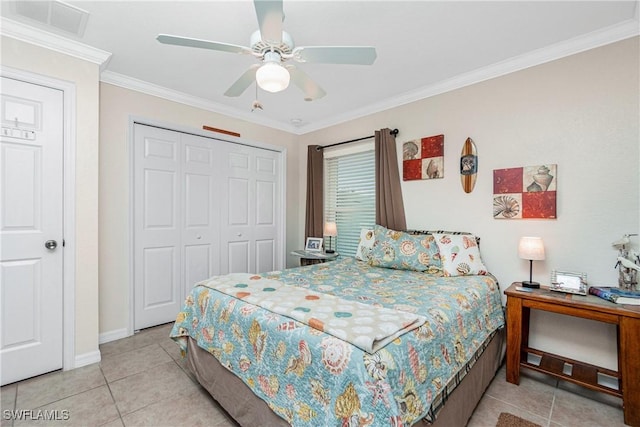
272, 77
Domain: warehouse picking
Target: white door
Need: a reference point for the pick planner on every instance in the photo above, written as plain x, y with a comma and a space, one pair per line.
202, 207
31, 233
157, 292
176, 221
200, 211
250, 222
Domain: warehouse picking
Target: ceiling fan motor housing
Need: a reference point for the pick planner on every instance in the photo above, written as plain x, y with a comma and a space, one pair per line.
285, 47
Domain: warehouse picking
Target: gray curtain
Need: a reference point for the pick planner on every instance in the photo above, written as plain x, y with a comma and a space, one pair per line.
314, 226
389, 203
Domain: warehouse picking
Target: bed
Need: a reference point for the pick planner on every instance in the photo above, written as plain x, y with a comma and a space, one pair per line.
262, 348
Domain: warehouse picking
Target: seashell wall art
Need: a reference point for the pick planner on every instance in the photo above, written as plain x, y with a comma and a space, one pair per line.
525, 192
423, 158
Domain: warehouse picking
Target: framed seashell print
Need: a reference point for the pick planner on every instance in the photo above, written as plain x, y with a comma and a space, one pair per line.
525, 192
423, 158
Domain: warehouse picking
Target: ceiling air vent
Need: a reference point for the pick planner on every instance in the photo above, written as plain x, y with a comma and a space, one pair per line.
55, 14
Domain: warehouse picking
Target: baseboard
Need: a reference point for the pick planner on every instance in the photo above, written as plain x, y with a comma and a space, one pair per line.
106, 337
87, 359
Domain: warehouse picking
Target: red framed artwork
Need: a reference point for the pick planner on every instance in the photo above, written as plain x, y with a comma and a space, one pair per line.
423, 158
525, 192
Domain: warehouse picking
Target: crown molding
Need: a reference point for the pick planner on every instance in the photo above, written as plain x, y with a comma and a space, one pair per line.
35, 36
612, 34
193, 101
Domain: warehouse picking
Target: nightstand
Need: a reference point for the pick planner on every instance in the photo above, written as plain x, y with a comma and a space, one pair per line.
625, 383
318, 256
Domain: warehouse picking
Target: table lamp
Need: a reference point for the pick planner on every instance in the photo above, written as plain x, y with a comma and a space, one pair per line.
531, 248
330, 230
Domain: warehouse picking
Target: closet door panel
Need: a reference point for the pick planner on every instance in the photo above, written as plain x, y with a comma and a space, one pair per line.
265, 255
157, 228
197, 260
159, 208
253, 195
238, 217
238, 202
264, 230
197, 190
267, 199
200, 213
238, 253
237, 233
202, 207
265, 203
159, 276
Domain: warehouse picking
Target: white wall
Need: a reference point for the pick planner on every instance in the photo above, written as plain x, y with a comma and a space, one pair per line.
581, 113
85, 76
117, 106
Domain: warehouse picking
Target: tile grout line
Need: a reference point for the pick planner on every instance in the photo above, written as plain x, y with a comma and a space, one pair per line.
513, 406
60, 399
553, 402
151, 403
112, 397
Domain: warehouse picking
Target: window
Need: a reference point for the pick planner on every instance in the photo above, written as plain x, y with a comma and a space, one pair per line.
349, 196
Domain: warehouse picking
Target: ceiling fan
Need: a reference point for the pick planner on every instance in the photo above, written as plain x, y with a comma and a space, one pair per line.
274, 47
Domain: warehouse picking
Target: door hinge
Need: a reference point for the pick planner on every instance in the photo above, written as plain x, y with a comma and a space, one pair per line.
63, 243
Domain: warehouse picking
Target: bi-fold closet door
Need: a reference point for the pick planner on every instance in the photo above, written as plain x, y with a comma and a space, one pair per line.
202, 207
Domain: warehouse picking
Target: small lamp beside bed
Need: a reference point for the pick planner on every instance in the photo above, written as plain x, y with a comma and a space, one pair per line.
531, 248
330, 230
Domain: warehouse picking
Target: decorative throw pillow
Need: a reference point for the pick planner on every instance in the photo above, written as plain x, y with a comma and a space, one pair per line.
460, 255
402, 251
365, 244
418, 232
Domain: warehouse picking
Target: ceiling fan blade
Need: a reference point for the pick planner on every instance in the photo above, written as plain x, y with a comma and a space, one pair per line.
243, 82
270, 18
202, 44
358, 55
310, 88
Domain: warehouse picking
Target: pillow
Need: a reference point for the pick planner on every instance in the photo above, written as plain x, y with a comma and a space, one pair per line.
402, 251
365, 244
459, 254
418, 232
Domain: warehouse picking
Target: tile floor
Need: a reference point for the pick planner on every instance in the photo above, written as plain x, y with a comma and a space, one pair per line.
142, 381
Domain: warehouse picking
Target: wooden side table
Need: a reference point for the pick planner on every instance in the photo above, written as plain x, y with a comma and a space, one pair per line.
625, 317
318, 256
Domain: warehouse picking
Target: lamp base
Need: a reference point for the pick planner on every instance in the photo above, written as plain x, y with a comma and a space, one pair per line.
329, 251
533, 285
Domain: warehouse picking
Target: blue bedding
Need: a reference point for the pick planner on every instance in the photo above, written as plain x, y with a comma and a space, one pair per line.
309, 377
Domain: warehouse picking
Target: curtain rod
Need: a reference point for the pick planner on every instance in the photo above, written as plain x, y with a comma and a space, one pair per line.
394, 132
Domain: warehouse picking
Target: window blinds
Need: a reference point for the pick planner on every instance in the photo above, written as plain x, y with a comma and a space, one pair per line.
349, 197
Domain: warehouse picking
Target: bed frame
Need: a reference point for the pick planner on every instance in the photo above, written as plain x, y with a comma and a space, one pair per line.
249, 410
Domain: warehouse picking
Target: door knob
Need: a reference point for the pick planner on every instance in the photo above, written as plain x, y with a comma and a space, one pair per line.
51, 244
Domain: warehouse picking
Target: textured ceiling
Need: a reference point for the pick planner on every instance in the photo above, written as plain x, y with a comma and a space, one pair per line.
423, 48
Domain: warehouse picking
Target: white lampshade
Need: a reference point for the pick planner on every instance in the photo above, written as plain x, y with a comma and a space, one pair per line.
531, 248
272, 77
330, 229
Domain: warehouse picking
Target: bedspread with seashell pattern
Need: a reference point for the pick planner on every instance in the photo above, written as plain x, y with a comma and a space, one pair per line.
309, 377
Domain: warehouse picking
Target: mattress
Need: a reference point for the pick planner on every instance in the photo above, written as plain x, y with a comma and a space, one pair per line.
309, 377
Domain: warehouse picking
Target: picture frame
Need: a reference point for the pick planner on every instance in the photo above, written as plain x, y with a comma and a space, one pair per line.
569, 282
313, 244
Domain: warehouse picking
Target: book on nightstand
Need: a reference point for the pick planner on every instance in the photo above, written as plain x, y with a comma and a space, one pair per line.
617, 295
